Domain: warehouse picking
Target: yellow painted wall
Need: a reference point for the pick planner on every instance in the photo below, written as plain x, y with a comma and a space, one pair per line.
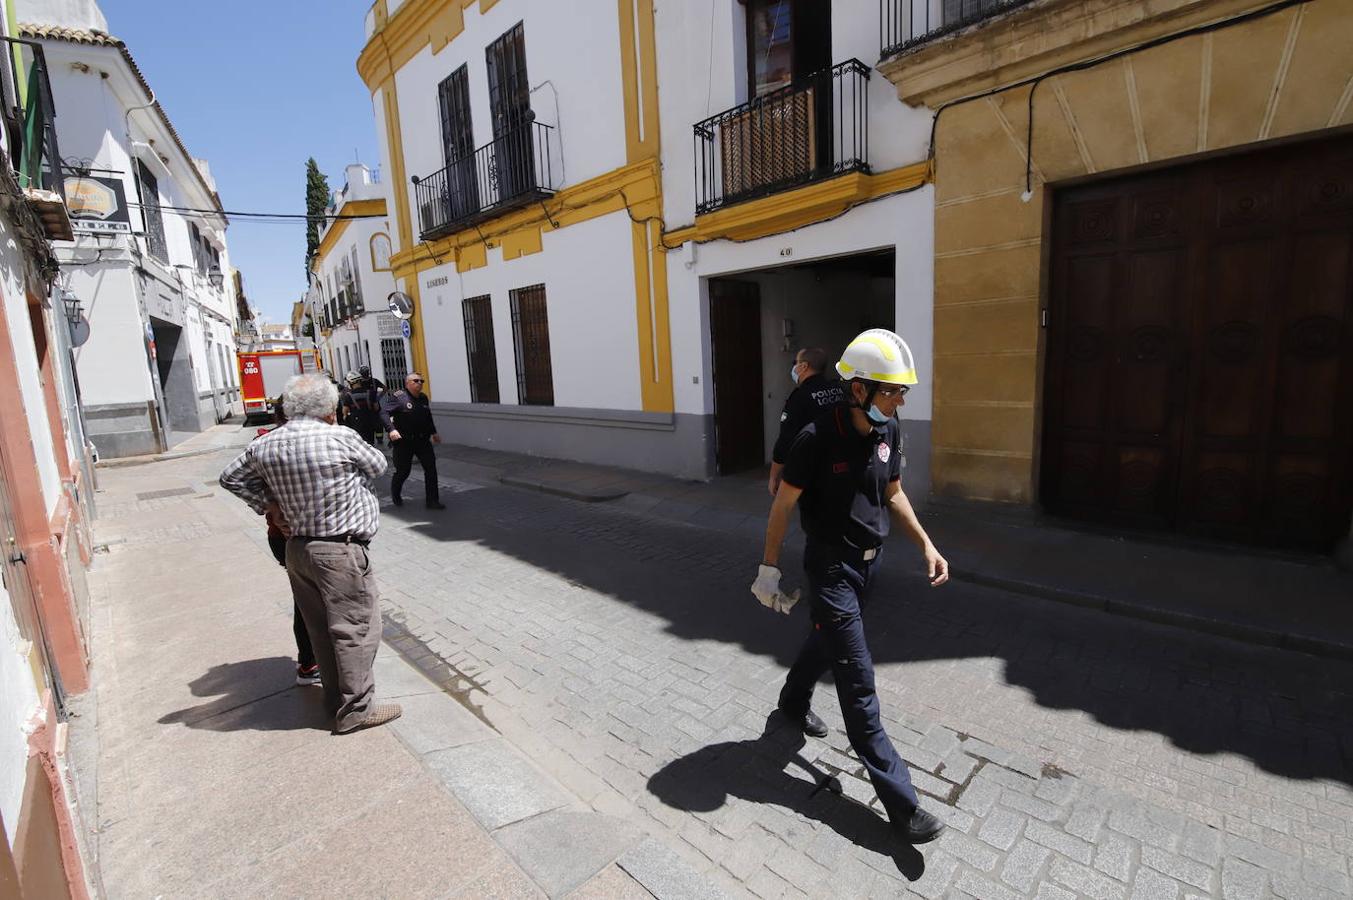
1286, 74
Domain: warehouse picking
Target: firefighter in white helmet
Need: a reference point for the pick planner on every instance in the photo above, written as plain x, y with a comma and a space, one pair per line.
844, 473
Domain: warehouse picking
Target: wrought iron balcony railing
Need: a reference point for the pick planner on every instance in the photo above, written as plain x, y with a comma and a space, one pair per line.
511, 170
31, 124
806, 131
904, 24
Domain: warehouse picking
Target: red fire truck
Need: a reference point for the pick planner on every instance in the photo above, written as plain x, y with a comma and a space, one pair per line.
262, 377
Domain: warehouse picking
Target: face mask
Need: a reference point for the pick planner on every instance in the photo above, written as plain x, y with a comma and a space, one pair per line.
876, 415
794, 373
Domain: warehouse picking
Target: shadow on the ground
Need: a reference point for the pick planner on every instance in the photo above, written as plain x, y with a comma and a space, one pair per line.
252, 695
754, 770
1285, 711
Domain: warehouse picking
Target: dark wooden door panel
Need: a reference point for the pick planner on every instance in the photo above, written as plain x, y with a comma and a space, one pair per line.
1200, 350
735, 326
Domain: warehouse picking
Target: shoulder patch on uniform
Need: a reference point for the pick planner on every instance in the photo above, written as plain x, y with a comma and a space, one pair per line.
884, 451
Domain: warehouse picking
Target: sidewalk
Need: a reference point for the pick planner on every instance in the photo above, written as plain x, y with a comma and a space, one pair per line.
214, 439
1297, 603
213, 775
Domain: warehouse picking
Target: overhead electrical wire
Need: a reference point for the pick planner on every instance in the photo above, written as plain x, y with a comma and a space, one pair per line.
256, 215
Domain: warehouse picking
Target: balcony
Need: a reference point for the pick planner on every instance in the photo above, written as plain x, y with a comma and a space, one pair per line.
808, 131
512, 170
30, 131
904, 24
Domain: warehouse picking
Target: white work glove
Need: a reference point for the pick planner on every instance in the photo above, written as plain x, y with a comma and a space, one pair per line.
766, 589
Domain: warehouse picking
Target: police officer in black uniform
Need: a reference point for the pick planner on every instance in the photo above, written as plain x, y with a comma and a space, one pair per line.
412, 432
844, 472
813, 394
360, 404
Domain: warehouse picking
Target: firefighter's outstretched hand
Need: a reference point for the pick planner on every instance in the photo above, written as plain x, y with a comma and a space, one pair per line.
937, 567
767, 591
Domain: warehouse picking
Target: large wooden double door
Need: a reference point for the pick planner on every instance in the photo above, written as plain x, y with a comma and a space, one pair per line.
1200, 348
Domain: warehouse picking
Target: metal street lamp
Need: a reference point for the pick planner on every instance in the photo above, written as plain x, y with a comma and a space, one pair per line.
216, 277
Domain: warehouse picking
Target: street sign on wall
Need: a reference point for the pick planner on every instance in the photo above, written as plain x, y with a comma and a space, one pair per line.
97, 204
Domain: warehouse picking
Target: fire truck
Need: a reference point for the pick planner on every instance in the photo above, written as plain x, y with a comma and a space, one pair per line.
262, 377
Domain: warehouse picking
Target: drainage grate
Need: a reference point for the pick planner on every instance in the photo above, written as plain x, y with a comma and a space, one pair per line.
168, 492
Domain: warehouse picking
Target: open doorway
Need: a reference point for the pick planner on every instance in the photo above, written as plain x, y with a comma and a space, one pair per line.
175, 372
760, 319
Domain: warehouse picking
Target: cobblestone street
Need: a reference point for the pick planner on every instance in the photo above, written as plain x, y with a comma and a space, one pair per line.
1072, 752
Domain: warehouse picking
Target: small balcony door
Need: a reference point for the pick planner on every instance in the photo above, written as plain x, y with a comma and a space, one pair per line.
788, 134
512, 166
462, 183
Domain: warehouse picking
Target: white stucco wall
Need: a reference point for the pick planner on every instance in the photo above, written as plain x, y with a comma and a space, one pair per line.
588, 273
24, 352
18, 702
702, 71
573, 67
901, 223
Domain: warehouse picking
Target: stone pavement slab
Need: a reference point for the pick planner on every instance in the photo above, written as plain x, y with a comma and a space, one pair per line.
618, 648
217, 776
1293, 601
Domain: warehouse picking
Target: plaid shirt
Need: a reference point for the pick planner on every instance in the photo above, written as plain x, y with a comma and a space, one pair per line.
319, 474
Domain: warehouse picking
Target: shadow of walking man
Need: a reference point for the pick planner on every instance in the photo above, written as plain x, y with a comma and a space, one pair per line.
758, 771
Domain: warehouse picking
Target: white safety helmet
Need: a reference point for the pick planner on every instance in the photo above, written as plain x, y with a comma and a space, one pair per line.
878, 355
351, 378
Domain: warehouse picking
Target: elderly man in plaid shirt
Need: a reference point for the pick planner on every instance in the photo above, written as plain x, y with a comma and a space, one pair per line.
314, 478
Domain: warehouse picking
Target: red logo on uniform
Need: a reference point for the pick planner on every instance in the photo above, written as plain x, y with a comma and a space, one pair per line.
884, 452
840, 468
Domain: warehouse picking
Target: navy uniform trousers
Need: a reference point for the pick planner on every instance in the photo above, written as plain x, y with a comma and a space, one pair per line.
405, 450
836, 589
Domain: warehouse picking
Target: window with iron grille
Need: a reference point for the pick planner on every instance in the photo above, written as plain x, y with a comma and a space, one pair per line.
531, 337
479, 349
394, 363
358, 304
150, 212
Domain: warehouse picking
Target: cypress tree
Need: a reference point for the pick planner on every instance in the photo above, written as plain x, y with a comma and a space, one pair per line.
316, 201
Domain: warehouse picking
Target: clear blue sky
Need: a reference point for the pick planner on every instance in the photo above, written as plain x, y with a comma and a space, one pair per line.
255, 88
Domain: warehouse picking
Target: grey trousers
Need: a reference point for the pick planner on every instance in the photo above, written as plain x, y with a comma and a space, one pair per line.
335, 591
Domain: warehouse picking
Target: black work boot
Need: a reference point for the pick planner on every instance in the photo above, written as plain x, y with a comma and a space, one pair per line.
921, 828
397, 500
810, 723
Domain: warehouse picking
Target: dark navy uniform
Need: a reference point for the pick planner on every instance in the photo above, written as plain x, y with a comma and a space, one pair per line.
844, 477
804, 404
412, 417
361, 408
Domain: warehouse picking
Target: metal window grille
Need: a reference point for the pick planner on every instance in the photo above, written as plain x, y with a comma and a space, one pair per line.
359, 305
394, 363
531, 338
150, 212
479, 349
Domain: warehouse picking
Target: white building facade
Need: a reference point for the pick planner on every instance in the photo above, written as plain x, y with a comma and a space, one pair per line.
149, 259
573, 242
46, 499
350, 282
795, 195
